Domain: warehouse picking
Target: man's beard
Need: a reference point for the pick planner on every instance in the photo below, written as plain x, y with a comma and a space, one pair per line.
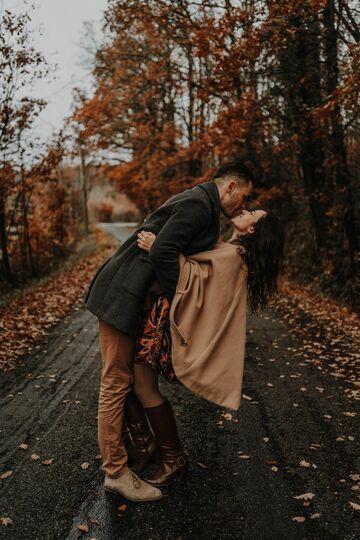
225, 214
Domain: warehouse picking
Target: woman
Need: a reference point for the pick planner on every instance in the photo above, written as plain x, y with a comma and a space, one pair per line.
199, 340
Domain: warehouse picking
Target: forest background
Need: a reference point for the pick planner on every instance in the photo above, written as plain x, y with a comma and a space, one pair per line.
178, 88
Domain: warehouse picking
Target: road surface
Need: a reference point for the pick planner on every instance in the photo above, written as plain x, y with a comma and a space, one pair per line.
245, 466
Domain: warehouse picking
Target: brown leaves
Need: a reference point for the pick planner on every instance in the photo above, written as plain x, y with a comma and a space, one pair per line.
299, 519
243, 455
26, 320
84, 528
6, 521
327, 342
6, 475
48, 461
305, 497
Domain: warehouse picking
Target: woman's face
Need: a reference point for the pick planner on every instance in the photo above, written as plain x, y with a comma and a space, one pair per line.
244, 222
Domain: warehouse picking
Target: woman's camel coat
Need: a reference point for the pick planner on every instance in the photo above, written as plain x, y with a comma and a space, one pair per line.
208, 324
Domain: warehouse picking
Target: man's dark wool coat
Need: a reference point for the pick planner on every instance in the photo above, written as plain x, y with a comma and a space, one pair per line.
188, 222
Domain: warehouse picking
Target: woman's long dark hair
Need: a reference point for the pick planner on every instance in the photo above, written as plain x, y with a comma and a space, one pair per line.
262, 252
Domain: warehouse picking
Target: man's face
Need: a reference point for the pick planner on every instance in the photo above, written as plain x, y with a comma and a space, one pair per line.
233, 197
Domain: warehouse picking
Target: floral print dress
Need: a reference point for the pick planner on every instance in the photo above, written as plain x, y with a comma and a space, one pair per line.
153, 345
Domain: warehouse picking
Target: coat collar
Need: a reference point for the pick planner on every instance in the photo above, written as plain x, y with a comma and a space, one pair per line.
213, 194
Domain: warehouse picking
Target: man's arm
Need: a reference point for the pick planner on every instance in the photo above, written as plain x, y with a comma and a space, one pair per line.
188, 218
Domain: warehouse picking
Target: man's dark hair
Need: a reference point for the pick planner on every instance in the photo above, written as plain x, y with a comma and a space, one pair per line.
234, 169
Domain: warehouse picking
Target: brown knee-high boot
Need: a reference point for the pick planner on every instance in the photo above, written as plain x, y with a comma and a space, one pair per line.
173, 460
143, 440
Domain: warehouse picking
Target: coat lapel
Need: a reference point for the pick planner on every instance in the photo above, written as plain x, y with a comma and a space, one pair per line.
213, 193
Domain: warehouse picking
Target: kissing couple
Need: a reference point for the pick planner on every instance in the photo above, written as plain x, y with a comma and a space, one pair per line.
172, 301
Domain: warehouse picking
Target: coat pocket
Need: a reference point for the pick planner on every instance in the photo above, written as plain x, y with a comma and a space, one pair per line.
137, 276
182, 339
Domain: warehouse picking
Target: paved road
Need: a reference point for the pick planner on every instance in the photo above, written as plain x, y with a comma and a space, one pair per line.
50, 404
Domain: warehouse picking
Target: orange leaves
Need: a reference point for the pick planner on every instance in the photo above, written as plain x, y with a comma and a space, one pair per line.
330, 335
26, 320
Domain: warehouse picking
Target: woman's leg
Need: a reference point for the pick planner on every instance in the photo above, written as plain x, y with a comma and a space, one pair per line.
146, 385
173, 460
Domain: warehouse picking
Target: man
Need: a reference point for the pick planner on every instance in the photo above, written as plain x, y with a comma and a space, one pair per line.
188, 222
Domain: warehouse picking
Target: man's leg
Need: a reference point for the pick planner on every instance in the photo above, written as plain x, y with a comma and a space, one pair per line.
117, 351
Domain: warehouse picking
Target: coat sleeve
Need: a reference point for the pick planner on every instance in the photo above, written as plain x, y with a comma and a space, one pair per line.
188, 218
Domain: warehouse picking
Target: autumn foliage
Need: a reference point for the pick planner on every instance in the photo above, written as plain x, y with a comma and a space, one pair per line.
39, 195
182, 86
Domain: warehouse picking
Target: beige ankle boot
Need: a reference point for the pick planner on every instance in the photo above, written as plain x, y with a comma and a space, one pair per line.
132, 487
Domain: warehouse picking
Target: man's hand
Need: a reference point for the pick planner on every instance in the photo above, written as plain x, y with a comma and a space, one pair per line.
145, 240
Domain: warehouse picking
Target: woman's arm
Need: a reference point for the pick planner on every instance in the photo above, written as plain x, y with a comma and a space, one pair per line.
145, 240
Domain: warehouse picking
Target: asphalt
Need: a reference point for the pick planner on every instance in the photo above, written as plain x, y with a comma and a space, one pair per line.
246, 467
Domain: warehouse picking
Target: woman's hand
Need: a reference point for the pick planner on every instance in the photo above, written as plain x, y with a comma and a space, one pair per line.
145, 240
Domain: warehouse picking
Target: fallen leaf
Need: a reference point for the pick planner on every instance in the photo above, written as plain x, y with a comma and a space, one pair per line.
94, 521
316, 515
274, 469
85, 465
23, 446
83, 528
48, 461
298, 519
355, 506
202, 465
6, 475
349, 413
305, 496
6, 521
35, 457
122, 508
304, 463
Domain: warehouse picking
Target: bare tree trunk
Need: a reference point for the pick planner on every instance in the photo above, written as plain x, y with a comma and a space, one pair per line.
345, 238
26, 234
301, 79
4, 245
83, 183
